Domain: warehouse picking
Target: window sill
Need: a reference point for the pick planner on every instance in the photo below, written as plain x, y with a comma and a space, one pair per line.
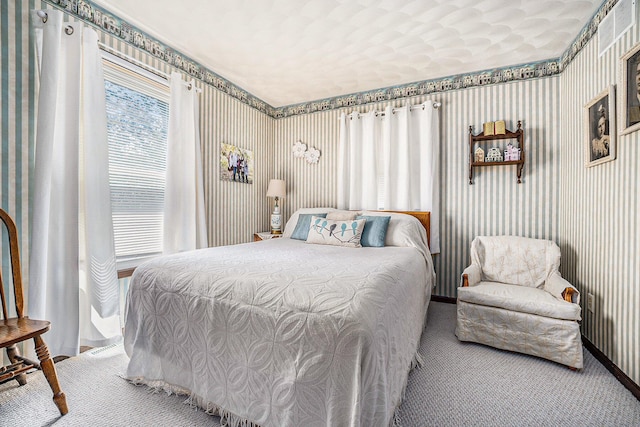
127, 266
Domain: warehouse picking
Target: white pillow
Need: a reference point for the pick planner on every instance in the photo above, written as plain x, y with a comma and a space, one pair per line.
403, 230
325, 231
342, 215
291, 223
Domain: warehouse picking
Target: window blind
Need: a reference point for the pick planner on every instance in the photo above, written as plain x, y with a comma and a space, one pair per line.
137, 122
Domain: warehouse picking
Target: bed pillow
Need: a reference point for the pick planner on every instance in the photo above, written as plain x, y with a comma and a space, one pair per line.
293, 220
302, 227
403, 230
324, 231
342, 215
375, 230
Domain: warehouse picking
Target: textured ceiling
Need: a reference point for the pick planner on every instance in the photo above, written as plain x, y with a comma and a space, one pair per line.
290, 51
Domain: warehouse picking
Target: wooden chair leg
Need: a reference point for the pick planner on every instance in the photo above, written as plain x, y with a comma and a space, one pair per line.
12, 353
50, 374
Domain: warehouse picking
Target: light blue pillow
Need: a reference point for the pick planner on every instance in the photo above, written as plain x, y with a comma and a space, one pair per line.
375, 230
301, 232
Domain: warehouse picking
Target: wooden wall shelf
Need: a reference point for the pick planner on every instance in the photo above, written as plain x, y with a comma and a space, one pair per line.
474, 139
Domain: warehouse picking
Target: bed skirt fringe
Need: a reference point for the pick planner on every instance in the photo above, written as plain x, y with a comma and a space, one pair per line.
416, 363
395, 422
227, 419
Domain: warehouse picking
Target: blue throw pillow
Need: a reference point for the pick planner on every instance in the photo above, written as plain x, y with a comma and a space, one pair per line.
302, 227
375, 230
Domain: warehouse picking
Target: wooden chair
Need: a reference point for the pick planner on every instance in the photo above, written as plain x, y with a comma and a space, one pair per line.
17, 329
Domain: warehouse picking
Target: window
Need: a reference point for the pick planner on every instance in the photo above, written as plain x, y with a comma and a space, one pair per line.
137, 122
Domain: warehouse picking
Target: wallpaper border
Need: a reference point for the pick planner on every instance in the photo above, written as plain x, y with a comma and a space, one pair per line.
110, 23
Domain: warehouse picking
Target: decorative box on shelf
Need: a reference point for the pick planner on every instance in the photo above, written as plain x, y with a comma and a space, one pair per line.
265, 235
494, 155
511, 153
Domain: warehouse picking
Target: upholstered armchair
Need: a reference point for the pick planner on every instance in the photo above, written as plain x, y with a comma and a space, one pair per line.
513, 297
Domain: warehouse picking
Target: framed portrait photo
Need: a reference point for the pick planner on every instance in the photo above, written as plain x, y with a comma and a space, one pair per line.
600, 128
630, 70
236, 164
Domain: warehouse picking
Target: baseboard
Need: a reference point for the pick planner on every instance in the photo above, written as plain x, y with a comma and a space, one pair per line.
438, 298
620, 376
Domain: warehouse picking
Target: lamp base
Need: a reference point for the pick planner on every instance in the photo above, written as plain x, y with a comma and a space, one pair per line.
276, 223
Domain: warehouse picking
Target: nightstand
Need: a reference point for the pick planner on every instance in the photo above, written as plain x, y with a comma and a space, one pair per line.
265, 235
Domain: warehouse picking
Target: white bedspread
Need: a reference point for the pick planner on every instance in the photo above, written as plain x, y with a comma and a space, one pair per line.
280, 332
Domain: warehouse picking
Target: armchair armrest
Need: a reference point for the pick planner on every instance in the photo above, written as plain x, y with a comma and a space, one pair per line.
471, 275
561, 289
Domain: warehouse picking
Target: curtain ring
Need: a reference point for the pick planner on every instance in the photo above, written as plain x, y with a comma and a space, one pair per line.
43, 15
69, 30
189, 86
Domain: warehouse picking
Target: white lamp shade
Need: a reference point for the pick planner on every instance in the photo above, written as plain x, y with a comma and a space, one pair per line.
277, 188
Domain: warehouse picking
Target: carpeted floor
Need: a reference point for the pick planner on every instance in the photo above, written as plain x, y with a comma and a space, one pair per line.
460, 384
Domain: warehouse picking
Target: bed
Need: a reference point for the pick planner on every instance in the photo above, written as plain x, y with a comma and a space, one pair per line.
282, 332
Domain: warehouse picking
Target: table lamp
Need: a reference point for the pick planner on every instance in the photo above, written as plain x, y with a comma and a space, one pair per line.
276, 189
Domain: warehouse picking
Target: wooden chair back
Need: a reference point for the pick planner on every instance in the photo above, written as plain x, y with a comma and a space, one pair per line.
16, 274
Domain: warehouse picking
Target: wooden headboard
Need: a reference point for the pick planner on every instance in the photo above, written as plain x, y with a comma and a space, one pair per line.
423, 216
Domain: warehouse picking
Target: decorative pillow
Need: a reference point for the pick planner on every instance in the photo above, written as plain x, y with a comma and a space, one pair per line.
302, 227
338, 233
375, 230
293, 219
342, 215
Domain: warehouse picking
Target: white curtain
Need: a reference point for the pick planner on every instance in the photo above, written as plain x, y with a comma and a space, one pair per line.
358, 182
184, 214
72, 272
390, 160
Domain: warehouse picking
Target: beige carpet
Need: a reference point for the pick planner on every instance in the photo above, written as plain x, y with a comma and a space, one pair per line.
460, 384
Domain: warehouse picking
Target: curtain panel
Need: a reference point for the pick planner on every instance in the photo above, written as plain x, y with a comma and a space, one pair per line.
72, 272
391, 160
184, 214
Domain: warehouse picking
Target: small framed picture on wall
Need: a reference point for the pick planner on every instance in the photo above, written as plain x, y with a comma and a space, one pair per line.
630, 71
600, 128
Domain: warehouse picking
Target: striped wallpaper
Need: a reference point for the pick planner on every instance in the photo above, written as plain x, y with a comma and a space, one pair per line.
559, 198
494, 204
598, 210
16, 124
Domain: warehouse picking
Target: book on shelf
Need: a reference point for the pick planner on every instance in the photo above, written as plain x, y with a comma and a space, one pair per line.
500, 128
487, 128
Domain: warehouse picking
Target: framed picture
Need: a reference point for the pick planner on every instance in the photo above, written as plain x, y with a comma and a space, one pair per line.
630, 70
236, 164
600, 129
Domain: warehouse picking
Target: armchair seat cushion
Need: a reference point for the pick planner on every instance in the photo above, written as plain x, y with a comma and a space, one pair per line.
522, 299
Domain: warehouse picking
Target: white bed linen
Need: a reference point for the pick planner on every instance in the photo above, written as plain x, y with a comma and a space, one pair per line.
280, 332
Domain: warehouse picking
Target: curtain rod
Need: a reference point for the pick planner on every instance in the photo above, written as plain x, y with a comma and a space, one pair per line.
436, 105
142, 65
44, 16
132, 60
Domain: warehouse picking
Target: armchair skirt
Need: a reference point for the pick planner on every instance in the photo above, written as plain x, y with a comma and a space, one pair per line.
546, 337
